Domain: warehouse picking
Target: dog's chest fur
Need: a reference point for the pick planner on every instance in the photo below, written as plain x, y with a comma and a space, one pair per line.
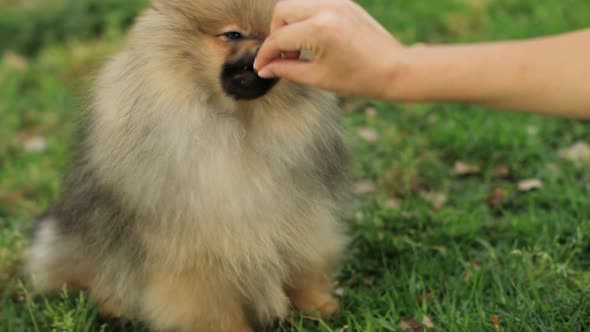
248, 188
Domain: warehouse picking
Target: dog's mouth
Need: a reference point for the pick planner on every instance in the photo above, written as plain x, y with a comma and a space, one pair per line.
241, 82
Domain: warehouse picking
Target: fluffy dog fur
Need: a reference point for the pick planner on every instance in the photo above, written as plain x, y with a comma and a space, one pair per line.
188, 208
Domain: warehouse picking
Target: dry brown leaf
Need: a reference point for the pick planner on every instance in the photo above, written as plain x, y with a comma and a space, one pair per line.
393, 203
371, 112
531, 184
496, 322
369, 281
580, 151
18, 297
28, 132
497, 197
501, 172
469, 271
410, 324
467, 275
427, 322
554, 169
365, 187
429, 297
35, 144
437, 199
532, 130
462, 168
368, 134
352, 105
432, 119
15, 61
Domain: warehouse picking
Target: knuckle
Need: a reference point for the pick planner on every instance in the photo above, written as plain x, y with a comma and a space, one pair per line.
325, 22
266, 51
273, 39
339, 5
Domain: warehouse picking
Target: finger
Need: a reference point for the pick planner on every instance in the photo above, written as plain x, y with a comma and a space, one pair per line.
293, 70
292, 11
291, 38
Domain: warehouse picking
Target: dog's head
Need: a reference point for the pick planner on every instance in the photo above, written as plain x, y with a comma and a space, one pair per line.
212, 44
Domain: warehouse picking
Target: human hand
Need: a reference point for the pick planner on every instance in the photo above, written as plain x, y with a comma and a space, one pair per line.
352, 54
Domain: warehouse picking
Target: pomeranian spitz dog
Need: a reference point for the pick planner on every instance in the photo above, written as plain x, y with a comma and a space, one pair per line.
201, 197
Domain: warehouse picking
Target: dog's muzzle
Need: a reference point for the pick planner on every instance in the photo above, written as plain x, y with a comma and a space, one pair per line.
240, 80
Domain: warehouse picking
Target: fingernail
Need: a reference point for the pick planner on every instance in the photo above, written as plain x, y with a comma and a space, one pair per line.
265, 73
256, 64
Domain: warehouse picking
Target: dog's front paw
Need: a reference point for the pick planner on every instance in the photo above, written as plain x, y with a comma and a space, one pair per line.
312, 302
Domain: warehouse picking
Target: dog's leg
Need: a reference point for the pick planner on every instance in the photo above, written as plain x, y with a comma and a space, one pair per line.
191, 303
310, 293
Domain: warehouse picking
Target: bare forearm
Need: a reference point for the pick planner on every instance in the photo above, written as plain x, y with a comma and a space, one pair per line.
547, 75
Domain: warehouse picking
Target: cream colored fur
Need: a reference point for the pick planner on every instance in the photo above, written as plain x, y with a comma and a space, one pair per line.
229, 214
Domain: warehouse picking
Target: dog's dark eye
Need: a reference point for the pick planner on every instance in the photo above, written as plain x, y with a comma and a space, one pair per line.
233, 35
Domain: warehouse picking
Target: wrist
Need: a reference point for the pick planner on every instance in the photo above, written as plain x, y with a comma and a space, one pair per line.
400, 76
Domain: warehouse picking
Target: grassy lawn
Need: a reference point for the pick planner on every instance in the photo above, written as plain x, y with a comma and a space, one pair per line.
442, 233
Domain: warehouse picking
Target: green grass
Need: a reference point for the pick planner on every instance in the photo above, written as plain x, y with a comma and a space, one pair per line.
525, 260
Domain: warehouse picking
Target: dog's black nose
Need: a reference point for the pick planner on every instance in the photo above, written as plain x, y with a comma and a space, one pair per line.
240, 80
